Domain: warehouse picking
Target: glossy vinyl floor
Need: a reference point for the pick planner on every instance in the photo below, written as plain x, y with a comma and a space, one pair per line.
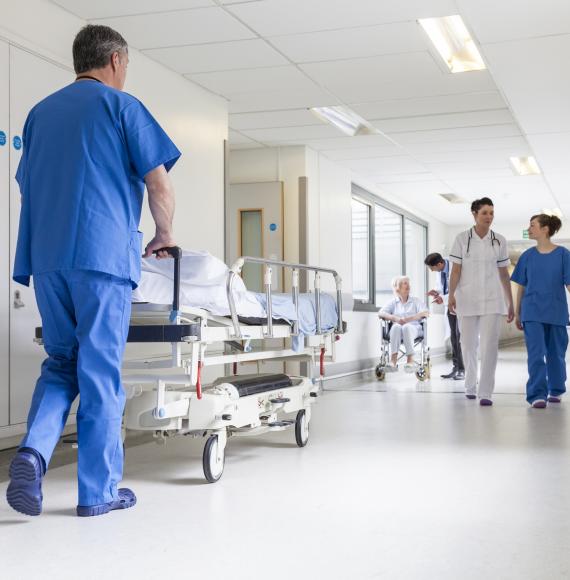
397, 482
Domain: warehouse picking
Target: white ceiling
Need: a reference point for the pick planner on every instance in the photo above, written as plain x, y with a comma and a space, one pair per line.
442, 133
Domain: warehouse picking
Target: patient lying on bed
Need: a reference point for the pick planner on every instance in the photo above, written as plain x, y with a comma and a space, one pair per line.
203, 285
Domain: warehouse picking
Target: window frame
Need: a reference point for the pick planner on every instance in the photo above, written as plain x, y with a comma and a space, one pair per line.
363, 196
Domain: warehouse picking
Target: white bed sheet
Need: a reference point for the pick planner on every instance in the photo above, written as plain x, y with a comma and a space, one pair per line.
202, 285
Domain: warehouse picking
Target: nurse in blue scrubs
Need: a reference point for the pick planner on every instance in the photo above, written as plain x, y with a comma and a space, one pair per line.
89, 150
542, 274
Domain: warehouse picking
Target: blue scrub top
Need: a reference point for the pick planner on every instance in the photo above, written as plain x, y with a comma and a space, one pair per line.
87, 149
544, 277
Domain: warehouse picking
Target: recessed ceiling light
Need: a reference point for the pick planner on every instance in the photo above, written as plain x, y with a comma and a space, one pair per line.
453, 42
345, 119
525, 165
453, 198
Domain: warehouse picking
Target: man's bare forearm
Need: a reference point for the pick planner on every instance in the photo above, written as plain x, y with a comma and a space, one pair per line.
161, 200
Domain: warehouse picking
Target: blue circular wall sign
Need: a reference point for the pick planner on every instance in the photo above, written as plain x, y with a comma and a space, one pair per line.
273, 227
2, 138
17, 142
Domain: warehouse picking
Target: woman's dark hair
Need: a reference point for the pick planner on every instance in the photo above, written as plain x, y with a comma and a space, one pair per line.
479, 203
94, 45
433, 260
551, 221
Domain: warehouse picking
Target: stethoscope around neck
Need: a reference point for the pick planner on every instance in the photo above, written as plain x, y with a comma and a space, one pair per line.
494, 239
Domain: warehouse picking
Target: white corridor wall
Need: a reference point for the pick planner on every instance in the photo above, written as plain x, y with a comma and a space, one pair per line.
329, 234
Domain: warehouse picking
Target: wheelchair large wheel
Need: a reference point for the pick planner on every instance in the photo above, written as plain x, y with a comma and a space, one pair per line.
213, 461
380, 372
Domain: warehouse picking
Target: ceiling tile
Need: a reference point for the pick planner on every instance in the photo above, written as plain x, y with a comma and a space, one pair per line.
275, 17
516, 144
443, 121
430, 105
493, 21
292, 133
485, 157
266, 120
428, 188
530, 74
360, 153
393, 77
88, 10
552, 151
457, 134
178, 28
237, 138
404, 178
352, 42
385, 165
468, 171
510, 186
269, 100
219, 56
353, 142
228, 83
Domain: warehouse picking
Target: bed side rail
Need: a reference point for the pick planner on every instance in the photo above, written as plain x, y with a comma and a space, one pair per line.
236, 268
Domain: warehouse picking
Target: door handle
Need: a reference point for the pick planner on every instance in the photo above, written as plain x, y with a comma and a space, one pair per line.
18, 302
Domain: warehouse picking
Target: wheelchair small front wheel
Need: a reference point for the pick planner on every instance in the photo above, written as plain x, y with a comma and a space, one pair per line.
380, 372
422, 374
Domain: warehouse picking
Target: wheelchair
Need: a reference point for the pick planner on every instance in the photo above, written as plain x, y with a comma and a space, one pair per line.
423, 370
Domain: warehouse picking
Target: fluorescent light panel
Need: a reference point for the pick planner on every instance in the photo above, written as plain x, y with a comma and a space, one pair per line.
453, 198
525, 165
345, 120
453, 42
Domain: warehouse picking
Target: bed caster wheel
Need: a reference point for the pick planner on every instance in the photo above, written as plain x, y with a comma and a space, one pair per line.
213, 460
380, 373
301, 428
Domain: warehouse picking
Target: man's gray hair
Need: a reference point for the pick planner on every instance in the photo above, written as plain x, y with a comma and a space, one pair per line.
94, 45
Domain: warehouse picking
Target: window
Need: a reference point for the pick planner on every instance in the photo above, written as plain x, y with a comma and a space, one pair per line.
360, 251
416, 251
386, 242
388, 251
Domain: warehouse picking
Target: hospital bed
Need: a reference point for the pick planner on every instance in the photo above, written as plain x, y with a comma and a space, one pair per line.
165, 394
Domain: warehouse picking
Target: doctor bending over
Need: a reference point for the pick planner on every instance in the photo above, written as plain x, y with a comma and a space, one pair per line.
88, 151
405, 312
480, 294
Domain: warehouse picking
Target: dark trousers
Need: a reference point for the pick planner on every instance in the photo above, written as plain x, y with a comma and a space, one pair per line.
455, 342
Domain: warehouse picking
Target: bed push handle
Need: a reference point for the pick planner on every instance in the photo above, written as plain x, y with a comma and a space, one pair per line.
176, 253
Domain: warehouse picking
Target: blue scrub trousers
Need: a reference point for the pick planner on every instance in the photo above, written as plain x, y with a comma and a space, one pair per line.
546, 345
85, 317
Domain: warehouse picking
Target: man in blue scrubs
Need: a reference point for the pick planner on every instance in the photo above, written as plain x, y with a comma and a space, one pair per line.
89, 150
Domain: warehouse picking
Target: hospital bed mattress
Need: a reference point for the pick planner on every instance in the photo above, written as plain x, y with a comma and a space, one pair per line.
256, 384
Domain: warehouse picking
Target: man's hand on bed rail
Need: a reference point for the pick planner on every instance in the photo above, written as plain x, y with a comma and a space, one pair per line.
157, 244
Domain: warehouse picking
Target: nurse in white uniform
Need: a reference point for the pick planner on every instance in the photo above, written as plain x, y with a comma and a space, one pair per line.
480, 294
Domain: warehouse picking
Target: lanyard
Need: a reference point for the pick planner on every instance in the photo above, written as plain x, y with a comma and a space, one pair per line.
88, 77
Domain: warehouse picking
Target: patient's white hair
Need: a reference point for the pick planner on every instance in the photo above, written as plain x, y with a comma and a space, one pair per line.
397, 282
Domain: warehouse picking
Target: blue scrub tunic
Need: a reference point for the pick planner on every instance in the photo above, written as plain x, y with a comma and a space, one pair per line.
544, 314
86, 151
544, 277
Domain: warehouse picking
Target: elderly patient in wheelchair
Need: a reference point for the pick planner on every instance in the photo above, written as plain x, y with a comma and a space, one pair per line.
404, 313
